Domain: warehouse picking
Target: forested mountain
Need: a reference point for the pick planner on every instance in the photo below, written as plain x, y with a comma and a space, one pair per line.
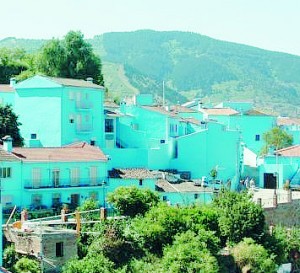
192, 65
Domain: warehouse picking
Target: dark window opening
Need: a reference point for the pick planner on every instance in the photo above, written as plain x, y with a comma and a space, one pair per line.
257, 137
93, 142
196, 196
60, 249
71, 120
164, 198
5, 172
141, 182
33, 136
109, 125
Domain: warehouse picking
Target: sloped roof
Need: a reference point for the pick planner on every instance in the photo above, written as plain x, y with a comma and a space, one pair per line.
284, 121
166, 186
5, 156
254, 112
75, 82
110, 104
191, 120
182, 109
292, 151
6, 88
219, 111
132, 173
76, 152
159, 110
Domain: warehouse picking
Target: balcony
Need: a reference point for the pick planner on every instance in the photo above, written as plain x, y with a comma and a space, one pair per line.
65, 183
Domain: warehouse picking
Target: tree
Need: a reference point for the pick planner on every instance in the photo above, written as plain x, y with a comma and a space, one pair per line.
239, 217
276, 138
12, 63
10, 257
131, 201
9, 125
26, 265
90, 264
253, 257
52, 59
189, 253
71, 57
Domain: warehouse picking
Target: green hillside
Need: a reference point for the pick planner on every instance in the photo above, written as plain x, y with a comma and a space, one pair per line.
192, 65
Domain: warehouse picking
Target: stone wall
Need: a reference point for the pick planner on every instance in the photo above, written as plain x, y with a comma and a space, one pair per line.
285, 214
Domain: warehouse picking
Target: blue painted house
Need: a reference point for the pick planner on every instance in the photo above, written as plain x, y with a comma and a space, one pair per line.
47, 177
281, 166
56, 111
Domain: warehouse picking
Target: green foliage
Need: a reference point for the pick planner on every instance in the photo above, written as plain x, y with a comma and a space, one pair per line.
115, 244
164, 222
276, 138
254, 257
131, 201
90, 264
10, 257
12, 63
9, 125
26, 265
72, 57
189, 253
239, 217
213, 173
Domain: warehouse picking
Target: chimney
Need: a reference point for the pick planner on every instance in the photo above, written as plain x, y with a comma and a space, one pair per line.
90, 79
7, 143
12, 82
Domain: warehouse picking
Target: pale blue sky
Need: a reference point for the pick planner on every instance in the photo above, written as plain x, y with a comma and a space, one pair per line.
269, 24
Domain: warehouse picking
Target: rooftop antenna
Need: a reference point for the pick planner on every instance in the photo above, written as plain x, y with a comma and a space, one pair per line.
163, 93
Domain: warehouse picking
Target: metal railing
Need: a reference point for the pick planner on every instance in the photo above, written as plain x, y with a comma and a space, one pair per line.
65, 183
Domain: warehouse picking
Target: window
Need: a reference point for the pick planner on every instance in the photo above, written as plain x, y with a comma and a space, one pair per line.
257, 137
5, 172
92, 142
36, 177
71, 118
36, 200
55, 178
141, 182
56, 199
164, 198
196, 196
109, 125
33, 136
74, 176
60, 249
71, 95
93, 175
173, 128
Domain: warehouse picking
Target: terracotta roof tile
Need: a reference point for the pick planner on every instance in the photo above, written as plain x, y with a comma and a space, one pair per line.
75, 152
219, 111
182, 109
6, 88
281, 121
191, 120
5, 156
159, 110
75, 82
254, 112
292, 151
132, 173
